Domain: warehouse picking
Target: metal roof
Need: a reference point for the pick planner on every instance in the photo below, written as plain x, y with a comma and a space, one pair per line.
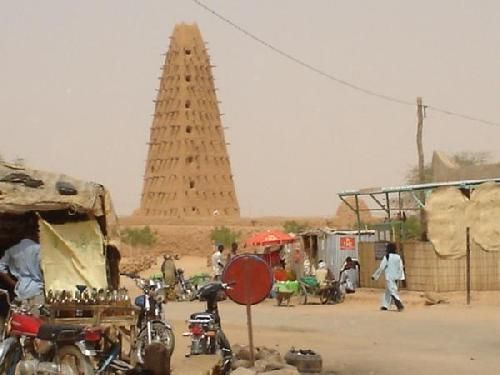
409, 188
339, 232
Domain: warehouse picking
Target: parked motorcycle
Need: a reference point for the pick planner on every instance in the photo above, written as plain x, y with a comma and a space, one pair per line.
185, 289
332, 292
207, 336
151, 325
31, 346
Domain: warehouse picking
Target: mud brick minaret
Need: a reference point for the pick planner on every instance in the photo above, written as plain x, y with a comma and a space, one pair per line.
188, 172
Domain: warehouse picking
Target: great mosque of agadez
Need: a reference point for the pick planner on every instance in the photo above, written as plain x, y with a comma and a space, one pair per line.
188, 171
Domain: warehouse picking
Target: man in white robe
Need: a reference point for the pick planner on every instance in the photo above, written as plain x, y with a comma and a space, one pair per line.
392, 266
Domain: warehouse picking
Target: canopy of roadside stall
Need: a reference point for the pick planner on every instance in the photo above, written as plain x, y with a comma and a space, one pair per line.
269, 238
76, 224
270, 245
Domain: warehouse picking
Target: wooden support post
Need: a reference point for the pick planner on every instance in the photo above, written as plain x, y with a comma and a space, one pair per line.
358, 217
467, 262
250, 334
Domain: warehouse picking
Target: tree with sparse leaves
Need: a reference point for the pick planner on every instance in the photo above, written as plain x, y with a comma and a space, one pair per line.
463, 159
291, 226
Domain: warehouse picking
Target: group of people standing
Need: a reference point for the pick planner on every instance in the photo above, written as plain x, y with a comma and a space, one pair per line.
391, 265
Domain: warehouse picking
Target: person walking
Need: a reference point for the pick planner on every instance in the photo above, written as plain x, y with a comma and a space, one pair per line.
217, 263
392, 266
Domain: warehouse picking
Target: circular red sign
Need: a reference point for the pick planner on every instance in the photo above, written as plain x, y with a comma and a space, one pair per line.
250, 279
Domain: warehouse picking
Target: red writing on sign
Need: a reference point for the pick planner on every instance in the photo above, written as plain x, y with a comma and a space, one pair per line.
347, 243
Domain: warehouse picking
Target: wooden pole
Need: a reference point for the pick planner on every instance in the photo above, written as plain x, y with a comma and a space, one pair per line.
249, 313
421, 166
358, 217
467, 262
250, 334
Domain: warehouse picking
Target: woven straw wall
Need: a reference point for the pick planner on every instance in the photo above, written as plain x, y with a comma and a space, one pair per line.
425, 271
366, 253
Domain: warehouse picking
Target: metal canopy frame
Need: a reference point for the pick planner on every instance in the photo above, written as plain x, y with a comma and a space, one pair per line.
376, 193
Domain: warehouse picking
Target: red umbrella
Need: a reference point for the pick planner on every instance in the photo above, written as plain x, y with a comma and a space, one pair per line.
269, 238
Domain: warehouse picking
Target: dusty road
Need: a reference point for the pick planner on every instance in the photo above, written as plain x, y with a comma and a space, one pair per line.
356, 338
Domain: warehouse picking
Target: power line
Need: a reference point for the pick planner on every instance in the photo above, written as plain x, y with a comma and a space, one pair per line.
461, 115
303, 63
337, 79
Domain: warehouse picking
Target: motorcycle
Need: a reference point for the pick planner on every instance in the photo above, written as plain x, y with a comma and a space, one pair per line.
332, 292
186, 290
31, 346
151, 326
204, 328
336, 290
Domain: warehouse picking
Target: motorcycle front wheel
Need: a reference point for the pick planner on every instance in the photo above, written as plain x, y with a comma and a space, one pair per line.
8, 366
226, 352
324, 295
72, 357
160, 333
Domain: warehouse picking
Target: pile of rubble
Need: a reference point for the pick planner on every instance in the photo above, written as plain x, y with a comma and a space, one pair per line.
267, 362
137, 264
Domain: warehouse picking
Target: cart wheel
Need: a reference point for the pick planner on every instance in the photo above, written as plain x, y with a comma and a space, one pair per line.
324, 296
303, 295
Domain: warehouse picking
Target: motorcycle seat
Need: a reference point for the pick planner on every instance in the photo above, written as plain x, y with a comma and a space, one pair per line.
60, 332
201, 315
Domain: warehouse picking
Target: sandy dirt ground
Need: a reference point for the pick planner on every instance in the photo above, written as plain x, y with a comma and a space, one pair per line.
356, 338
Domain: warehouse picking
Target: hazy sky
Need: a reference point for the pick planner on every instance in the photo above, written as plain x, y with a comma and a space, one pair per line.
77, 80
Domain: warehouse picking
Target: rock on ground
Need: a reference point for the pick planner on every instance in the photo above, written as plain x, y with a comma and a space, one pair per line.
243, 371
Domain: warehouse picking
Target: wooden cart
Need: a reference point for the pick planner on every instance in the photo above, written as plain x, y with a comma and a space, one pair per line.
122, 318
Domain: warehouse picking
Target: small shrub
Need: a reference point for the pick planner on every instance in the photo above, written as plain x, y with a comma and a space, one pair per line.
224, 235
139, 236
292, 226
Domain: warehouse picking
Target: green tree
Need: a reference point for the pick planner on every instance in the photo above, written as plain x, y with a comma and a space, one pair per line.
411, 228
291, 226
139, 236
224, 235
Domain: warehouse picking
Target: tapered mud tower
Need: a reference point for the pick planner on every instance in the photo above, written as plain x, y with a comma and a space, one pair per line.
188, 172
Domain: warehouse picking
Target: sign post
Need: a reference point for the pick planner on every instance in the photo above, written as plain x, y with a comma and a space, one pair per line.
251, 281
250, 334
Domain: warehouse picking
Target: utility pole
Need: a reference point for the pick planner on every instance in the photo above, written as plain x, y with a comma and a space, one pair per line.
421, 169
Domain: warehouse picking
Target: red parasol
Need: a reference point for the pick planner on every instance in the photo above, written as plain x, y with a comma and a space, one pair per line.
269, 238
